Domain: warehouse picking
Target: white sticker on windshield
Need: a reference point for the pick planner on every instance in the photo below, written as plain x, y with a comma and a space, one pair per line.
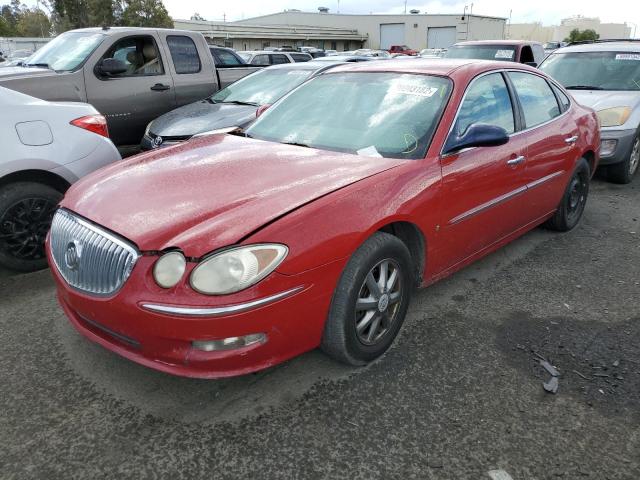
415, 90
369, 152
504, 54
299, 72
628, 56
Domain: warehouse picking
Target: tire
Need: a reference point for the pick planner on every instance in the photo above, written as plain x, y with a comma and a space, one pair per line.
624, 172
348, 335
573, 201
26, 210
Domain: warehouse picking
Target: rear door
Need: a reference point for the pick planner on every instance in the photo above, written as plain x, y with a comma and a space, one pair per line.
551, 134
483, 188
191, 67
132, 99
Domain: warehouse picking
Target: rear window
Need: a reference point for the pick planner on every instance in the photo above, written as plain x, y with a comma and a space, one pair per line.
184, 54
483, 52
300, 57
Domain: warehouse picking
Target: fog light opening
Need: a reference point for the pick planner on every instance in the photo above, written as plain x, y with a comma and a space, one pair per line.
229, 343
608, 147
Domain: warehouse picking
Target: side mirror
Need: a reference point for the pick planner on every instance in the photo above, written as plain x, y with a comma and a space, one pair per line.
477, 135
531, 64
111, 66
261, 109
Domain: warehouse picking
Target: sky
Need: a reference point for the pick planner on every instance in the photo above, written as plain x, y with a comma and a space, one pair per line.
550, 12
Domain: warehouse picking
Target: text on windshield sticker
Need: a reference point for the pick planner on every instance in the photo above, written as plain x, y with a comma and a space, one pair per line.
417, 90
504, 54
628, 56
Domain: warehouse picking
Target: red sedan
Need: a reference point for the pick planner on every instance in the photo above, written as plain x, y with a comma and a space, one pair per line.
234, 252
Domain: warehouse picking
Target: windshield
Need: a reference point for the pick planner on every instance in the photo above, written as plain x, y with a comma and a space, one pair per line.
373, 114
595, 70
67, 52
551, 45
482, 52
263, 87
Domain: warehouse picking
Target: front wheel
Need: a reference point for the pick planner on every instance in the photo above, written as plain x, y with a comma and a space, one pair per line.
623, 172
26, 211
370, 301
574, 200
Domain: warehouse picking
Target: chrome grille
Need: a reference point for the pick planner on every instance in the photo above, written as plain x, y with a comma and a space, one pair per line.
89, 258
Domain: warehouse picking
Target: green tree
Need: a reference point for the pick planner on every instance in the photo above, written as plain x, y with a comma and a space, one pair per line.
577, 35
33, 23
6, 30
146, 13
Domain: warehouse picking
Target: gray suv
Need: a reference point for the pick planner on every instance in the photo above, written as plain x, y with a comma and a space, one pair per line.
605, 76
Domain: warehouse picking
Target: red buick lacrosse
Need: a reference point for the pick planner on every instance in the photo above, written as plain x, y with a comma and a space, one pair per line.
234, 252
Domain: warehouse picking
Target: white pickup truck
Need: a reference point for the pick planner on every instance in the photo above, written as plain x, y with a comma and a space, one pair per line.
130, 75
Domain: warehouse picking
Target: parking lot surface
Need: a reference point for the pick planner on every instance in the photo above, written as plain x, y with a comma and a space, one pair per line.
460, 393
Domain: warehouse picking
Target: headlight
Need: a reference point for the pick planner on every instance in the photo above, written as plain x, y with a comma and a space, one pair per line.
613, 117
169, 269
236, 269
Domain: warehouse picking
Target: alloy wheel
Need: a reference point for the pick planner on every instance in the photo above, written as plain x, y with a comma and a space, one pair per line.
634, 160
24, 226
378, 302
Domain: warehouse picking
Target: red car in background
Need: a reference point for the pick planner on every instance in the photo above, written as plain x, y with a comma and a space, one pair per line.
403, 49
234, 252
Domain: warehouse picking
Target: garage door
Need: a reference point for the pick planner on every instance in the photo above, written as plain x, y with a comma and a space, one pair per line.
391, 34
441, 37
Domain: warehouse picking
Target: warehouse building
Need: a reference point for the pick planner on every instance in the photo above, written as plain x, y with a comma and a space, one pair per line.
347, 31
541, 33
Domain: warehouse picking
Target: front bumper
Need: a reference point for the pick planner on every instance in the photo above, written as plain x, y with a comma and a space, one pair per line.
163, 341
624, 140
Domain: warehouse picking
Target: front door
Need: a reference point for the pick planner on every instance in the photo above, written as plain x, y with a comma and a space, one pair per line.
484, 188
132, 99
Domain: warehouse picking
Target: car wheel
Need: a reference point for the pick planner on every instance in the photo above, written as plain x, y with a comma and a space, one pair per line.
623, 172
370, 301
573, 201
26, 211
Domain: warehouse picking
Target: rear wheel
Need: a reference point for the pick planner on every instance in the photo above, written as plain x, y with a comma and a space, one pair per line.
370, 301
26, 211
574, 200
623, 172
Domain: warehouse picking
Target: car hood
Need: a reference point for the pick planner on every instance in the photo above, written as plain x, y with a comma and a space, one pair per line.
201, 117
8, 73
602, 99
212, 191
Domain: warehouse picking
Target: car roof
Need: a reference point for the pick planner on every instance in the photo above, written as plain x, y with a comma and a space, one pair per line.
270, 52
114, 30
312, 66
435, 66
497, 42
620, 46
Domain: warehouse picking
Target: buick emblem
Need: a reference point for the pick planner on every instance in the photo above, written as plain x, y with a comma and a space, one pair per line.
72, 256
157, 141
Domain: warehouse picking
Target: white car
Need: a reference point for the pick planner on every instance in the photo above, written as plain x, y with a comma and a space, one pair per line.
45, 148
266, 57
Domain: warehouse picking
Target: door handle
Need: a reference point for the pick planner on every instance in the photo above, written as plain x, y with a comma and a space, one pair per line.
571, 140
159, 87
516, 161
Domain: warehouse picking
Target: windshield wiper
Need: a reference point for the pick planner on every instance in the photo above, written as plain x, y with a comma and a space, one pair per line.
296, 144
42, 65
238, 102
583, 87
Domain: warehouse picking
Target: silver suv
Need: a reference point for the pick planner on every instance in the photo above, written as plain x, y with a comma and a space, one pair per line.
605, 75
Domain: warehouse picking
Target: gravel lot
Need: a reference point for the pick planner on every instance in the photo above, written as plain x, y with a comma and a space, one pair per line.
458, 396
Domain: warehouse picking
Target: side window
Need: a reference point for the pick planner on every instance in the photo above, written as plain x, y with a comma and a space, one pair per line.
278, 59
526, 54
184, 54
300, 57
538, 54
487, 101
565, 103
538, 101
260, 60
226, 58
139, 54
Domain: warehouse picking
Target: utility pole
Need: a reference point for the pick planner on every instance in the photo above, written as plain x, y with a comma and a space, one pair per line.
405, 7
469, 21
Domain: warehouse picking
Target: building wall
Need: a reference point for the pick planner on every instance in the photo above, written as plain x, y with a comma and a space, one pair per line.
470, 28
530, 31
11, 44
540, 33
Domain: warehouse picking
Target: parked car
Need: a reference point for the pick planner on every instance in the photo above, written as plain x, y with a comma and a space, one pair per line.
313, 51
433, 52
367, 52
606, 77
552, 46
344, 59
234, 106
265, 58
329, 53
313, 226
45, 148
158, 69
519, 51
233, 65
403, 49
